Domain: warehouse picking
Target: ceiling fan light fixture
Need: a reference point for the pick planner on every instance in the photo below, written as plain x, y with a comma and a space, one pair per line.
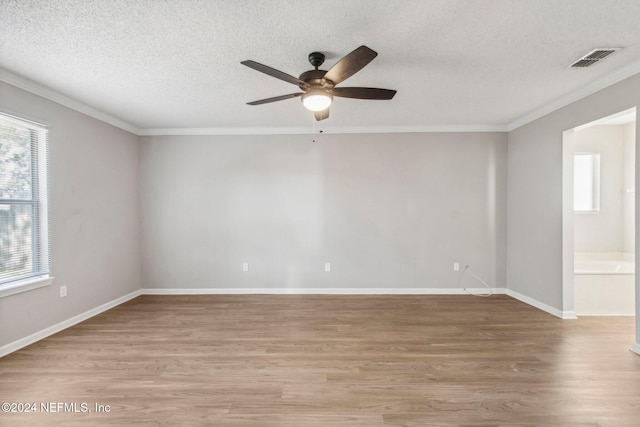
317, 99
318, 87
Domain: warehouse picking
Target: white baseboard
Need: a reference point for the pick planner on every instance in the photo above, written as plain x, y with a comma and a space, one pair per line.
542, 306
23, 342
606, 314
635, 348
318, 291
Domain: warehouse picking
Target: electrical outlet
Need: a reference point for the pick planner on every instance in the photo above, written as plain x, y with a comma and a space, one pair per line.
63, 291
456, 266
327, 267
245, 266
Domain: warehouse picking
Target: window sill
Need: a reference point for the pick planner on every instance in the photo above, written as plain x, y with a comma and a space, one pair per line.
25, 285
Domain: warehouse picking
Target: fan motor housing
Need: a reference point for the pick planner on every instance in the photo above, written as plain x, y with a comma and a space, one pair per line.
315, 78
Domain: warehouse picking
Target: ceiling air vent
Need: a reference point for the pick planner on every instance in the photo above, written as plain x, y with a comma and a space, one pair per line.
594, 56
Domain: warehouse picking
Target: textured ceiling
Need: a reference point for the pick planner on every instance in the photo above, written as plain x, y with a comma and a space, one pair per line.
176, 63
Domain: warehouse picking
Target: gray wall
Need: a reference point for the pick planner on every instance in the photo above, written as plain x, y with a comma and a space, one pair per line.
534, 191
94, 217
387, 210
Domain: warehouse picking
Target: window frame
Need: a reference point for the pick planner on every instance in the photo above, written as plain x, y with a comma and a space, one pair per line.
40, 275
594, 184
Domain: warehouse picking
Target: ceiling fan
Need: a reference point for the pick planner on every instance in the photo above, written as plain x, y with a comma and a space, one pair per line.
319, 86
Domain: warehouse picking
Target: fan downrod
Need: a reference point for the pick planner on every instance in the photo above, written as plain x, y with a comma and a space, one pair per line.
316, 59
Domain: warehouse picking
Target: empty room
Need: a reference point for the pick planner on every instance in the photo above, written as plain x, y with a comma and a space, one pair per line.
276, 213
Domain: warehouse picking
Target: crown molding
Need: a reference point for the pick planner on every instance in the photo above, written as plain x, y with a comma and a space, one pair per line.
602, 83
327, 130
38, 89
52, 95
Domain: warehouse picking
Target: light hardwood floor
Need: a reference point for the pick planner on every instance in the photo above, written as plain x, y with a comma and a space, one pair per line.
298, 360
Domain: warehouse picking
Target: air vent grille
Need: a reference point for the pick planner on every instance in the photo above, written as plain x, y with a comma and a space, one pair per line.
594, 56
584, 63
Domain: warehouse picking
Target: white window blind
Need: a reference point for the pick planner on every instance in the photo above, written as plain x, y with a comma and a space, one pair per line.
24, 243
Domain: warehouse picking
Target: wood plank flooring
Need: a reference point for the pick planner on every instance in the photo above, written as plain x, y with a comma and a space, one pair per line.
312, 360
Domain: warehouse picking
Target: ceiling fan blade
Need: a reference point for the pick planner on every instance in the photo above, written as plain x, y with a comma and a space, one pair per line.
321, 115
350, 64
275, 98
274, 73
363, 92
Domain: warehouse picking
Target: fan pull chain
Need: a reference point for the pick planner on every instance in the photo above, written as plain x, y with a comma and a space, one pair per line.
313, 127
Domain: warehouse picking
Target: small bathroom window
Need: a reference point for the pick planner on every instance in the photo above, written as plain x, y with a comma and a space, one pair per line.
586, 182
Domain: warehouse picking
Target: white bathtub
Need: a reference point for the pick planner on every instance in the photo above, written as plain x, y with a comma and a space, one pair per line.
603, 263
604, 284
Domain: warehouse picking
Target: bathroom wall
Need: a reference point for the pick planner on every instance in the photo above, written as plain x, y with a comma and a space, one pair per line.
628, 187
603, 231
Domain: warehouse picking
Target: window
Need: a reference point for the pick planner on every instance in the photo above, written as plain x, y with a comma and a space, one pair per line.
24, 243
586, 182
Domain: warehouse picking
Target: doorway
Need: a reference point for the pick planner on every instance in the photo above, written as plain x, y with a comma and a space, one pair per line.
599, 217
